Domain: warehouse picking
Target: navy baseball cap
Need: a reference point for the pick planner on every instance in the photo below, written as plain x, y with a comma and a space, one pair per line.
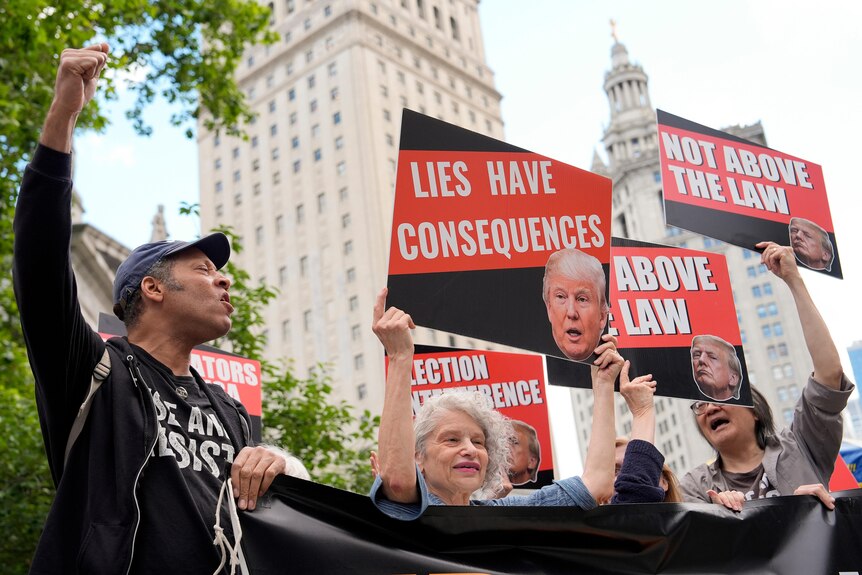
130, 273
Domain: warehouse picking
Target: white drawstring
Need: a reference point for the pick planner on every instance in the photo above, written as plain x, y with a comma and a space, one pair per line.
221, 541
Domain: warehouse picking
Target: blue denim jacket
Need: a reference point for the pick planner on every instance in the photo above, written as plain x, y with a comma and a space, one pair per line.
569, 492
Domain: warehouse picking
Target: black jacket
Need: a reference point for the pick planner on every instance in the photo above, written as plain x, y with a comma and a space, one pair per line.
92, 523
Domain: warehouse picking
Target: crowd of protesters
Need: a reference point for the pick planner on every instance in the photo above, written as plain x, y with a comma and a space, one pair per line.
111, 412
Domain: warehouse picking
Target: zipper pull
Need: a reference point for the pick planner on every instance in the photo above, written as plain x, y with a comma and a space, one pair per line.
130, 361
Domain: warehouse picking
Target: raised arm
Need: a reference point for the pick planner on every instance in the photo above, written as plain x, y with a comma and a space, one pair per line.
61, 347
396, 442
76, 82
599, 466
638, 394
827, 363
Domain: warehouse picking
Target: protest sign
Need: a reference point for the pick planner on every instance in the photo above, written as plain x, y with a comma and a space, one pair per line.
475, 222
513, 383
673, 314
743, 193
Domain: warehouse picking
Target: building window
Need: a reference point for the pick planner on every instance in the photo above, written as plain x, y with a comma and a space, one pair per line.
237, 199
274, 154
296, 166
788, 370
755, 291
255, 165
303, 266
387, 116
315, 130
361, 391
353, 303
300, 214
332, 69
333, 93
339, 143
285, 329
276, 177
294, 142
777, 329
327, 10
217, 163
317, 155
309, 56
342, 195
306, 320
273, 130
351, 275
292, 118
341, 167
279, 224
219, 186
307, 24
355, 332
390, 141
345, 220
321, 203
235, 153
311, 81
782, 349
236, 175
772, 309
772, 353
313, 105
358, 361
272, 106
256, 189
348, 247
336, 118
291, 94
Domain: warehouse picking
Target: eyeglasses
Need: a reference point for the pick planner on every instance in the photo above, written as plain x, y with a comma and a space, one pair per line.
698, 407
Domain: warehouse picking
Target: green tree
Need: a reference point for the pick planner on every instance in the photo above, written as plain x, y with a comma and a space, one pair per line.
299, 414
188, 51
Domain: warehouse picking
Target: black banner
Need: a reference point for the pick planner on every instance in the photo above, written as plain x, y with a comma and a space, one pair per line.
303, 527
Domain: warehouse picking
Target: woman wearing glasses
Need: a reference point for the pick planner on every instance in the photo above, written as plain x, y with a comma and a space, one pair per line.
754, 461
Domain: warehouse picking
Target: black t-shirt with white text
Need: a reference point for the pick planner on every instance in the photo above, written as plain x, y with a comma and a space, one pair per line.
179, 487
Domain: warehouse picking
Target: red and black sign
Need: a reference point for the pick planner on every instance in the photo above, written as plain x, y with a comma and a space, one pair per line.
673, 314
743, 193
514, 383
474, 224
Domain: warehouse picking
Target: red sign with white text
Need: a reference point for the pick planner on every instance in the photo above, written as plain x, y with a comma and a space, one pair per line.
513, 383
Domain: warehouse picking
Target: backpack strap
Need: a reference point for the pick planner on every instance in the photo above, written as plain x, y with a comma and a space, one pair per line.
100, 372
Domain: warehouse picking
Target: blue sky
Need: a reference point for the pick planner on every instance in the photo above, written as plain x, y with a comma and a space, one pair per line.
792, 65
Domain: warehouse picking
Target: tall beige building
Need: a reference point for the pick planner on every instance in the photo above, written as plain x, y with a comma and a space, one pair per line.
775, 351
311, 190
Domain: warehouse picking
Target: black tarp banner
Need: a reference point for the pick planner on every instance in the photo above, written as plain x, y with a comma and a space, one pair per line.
303, 527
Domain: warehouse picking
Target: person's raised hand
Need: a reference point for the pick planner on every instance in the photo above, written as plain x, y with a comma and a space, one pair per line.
609, 362
637, 392
392, 327
77, 77
780, 260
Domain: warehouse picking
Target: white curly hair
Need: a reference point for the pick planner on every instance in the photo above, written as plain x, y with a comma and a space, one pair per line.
497, 428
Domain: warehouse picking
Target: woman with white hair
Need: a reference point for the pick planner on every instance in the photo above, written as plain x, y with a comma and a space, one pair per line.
458, 450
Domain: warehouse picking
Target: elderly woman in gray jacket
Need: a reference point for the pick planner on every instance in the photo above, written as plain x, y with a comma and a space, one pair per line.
753, 460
